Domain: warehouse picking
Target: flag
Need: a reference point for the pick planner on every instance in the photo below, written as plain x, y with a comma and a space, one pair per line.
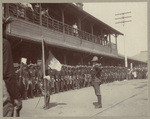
50, 60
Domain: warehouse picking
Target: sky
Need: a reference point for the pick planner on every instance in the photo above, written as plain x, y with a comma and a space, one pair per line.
135, 32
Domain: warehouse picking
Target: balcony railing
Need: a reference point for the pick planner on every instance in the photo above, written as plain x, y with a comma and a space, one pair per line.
21, 12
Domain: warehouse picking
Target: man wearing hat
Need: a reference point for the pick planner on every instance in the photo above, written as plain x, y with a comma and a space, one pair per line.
11, 95
96, 79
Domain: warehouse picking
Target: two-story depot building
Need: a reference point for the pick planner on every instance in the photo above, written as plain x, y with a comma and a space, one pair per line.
54, 22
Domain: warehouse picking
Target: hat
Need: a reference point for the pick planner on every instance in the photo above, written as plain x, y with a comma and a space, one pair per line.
95, 58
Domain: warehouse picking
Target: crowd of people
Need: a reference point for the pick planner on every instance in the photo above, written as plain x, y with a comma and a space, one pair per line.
30, 78
139, 73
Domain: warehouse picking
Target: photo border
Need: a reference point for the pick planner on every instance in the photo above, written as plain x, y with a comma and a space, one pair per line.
70, 1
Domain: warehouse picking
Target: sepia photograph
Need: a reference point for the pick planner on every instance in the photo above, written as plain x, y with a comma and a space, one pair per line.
83, 59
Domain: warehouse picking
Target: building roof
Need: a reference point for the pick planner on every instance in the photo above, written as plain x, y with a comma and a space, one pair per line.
142, 56
75, 10
97, 20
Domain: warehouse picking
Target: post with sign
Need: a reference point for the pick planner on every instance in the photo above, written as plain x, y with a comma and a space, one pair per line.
123, 18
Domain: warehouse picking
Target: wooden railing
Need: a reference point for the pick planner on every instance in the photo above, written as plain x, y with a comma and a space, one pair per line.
20, 12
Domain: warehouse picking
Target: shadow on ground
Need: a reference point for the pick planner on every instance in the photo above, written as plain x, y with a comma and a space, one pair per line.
51, 105
95, 103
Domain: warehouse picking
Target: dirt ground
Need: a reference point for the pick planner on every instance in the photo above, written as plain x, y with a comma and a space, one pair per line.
120, 98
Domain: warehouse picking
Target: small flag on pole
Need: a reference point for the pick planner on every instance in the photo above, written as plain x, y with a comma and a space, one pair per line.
52, 62
49, 61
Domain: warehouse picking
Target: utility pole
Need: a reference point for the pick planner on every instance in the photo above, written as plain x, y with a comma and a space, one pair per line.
123, 18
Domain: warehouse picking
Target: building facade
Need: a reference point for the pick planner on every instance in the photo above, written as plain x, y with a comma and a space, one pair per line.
72, 35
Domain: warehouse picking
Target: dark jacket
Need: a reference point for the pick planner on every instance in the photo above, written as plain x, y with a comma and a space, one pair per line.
9, 72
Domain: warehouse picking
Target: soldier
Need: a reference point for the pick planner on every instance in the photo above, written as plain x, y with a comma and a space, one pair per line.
65, 78
25, 81
39, 79
70, 77
19, 78
96, 80
81, 77
88, 76
48, 88
31, 80
36, 81
73, 77
77, 77
59, 81
85, 78
52, 76
56, 81
11, 94
62, 79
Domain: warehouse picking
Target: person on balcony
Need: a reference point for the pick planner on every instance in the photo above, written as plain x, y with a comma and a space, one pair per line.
37, 8
75, 29
45, 12
105, 40
27, 6
100, 39
21, 11
28, 9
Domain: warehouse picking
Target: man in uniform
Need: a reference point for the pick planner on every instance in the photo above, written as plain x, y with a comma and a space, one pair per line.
96, 80
70, 77
65, 77
62, 79
73, 78
52, 74
25, 81
31, 81
47, 78
77, 77
11, 96
56, 81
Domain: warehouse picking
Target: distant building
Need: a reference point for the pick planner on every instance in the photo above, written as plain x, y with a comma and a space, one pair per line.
142, 56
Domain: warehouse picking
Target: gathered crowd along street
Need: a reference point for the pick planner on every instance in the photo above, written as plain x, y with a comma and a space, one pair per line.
31, 81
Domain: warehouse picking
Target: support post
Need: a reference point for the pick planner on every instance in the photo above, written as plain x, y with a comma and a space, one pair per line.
79, 23
110, 43
6, 10
92, 28
116, 41
63, 19
82, 60
65, 59
40, 15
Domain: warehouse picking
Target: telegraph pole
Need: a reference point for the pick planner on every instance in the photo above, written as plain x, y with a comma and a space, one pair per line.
123, 18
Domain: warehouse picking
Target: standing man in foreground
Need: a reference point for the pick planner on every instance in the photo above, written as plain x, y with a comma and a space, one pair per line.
11, 93
96, 79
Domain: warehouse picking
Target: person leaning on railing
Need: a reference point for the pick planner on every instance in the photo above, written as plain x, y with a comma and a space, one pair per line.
75, 29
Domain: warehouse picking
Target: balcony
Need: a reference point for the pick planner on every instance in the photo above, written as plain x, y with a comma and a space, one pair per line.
30, 25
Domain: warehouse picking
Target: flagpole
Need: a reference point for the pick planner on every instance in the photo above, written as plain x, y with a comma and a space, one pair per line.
43, 57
